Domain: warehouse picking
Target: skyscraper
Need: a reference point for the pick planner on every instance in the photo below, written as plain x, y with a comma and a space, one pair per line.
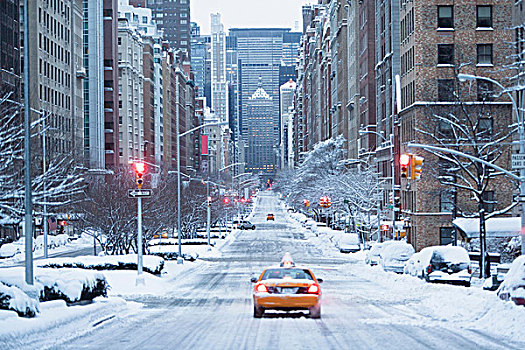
174, 18
287, 92
260, 129
260, 56
201, 63
10, 49
219, 85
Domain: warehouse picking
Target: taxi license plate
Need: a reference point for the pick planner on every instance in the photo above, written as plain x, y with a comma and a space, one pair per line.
288, 290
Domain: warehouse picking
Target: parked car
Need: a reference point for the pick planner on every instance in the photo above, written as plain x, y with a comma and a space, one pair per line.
348, 243
513, 287
394, 255
445, 264
411, 266
497, 279
372, 255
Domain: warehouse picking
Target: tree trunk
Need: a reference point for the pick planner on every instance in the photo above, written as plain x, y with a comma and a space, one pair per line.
484, 271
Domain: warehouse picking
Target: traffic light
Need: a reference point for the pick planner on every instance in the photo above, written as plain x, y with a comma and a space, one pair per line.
325, 202
226, 200
306, 203
209, 201
140, 168
404, 162
417, 167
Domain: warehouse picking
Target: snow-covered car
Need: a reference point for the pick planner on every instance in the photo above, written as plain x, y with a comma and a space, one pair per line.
11, 249
513, 287
348, 243
411, 266
445, 264
394, 255
372, 255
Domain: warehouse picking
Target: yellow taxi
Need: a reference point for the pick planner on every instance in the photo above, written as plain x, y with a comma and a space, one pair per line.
287, 287
270, 217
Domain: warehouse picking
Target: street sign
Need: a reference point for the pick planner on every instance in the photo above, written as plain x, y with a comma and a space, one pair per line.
517, 161
135, 193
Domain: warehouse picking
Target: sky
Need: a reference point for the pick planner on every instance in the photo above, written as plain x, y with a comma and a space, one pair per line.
249, 13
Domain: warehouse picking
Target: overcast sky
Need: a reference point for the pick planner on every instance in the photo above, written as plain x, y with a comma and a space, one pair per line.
249, 13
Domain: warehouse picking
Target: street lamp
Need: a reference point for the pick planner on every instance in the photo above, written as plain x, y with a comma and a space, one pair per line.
179, 232
521, 133
393, 167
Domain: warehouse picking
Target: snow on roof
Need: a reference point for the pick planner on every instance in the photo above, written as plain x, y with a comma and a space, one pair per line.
496, 227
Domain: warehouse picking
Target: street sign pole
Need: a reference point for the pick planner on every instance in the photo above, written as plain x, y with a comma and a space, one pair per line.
140, 278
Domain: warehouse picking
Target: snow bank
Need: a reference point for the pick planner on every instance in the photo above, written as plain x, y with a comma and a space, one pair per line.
11, 249
450, 306
13, 298
71, 285
52, 241
152, 264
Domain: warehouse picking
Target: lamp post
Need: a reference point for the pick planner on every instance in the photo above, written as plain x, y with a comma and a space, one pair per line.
179, 232
521, 133
393, 169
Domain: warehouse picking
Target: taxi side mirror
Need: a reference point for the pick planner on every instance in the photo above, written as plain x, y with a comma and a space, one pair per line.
320, 280
253, 279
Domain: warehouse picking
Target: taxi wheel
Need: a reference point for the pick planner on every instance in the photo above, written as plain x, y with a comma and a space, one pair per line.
315, 311
258, 311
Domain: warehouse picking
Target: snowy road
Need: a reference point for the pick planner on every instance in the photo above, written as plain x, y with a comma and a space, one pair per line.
210, 307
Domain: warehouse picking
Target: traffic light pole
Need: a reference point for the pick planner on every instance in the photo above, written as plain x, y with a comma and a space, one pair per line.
140, 278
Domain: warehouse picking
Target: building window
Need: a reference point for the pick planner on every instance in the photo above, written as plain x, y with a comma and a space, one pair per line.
488, 201
484, 16
446, 54
484, 53
485, 126
446, 235
447, 201
485, 90
445, 17
446, 90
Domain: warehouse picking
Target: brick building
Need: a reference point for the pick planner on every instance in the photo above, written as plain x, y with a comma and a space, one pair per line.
439, 40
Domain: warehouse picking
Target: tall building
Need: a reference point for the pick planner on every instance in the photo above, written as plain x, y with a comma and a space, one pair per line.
201, 64
10, 49
94, 145
173, 17
438, 41
131, 92
261, 129
219, 84
286, 100
260, 54
57, 70
111, 98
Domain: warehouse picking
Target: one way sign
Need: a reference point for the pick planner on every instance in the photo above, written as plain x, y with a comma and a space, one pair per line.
135, 193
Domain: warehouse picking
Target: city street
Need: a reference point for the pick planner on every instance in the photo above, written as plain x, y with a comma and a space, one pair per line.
210, 307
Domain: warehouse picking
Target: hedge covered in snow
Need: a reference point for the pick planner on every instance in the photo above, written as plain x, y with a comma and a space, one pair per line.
70, 285
152, 264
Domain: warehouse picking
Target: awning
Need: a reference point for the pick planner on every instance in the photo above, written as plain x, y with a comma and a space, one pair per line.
496, 227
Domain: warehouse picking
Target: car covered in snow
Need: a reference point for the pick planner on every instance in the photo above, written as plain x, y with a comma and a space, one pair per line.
394, 255
372, 255
445, 264
411, 266
348, 243
513, 287
286, 287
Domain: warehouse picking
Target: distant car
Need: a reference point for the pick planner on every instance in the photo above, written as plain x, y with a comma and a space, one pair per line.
372, 255
286, 287
445, 264
393, 256
270, 217
513, 287
245, 225
348, 243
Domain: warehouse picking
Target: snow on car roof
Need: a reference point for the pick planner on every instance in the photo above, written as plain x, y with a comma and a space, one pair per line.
516, 274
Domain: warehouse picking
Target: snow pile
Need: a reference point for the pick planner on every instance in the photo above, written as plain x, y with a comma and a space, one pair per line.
52, 241
70, 285
11, 249
152, 264
449, 306
13, 298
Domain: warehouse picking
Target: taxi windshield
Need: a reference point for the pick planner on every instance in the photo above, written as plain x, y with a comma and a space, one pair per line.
287, 274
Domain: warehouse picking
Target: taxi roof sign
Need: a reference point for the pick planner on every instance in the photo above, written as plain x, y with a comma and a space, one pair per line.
287, 260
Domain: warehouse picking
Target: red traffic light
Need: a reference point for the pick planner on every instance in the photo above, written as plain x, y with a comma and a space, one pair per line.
384, 227
140, 167
404, 160
226, 200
